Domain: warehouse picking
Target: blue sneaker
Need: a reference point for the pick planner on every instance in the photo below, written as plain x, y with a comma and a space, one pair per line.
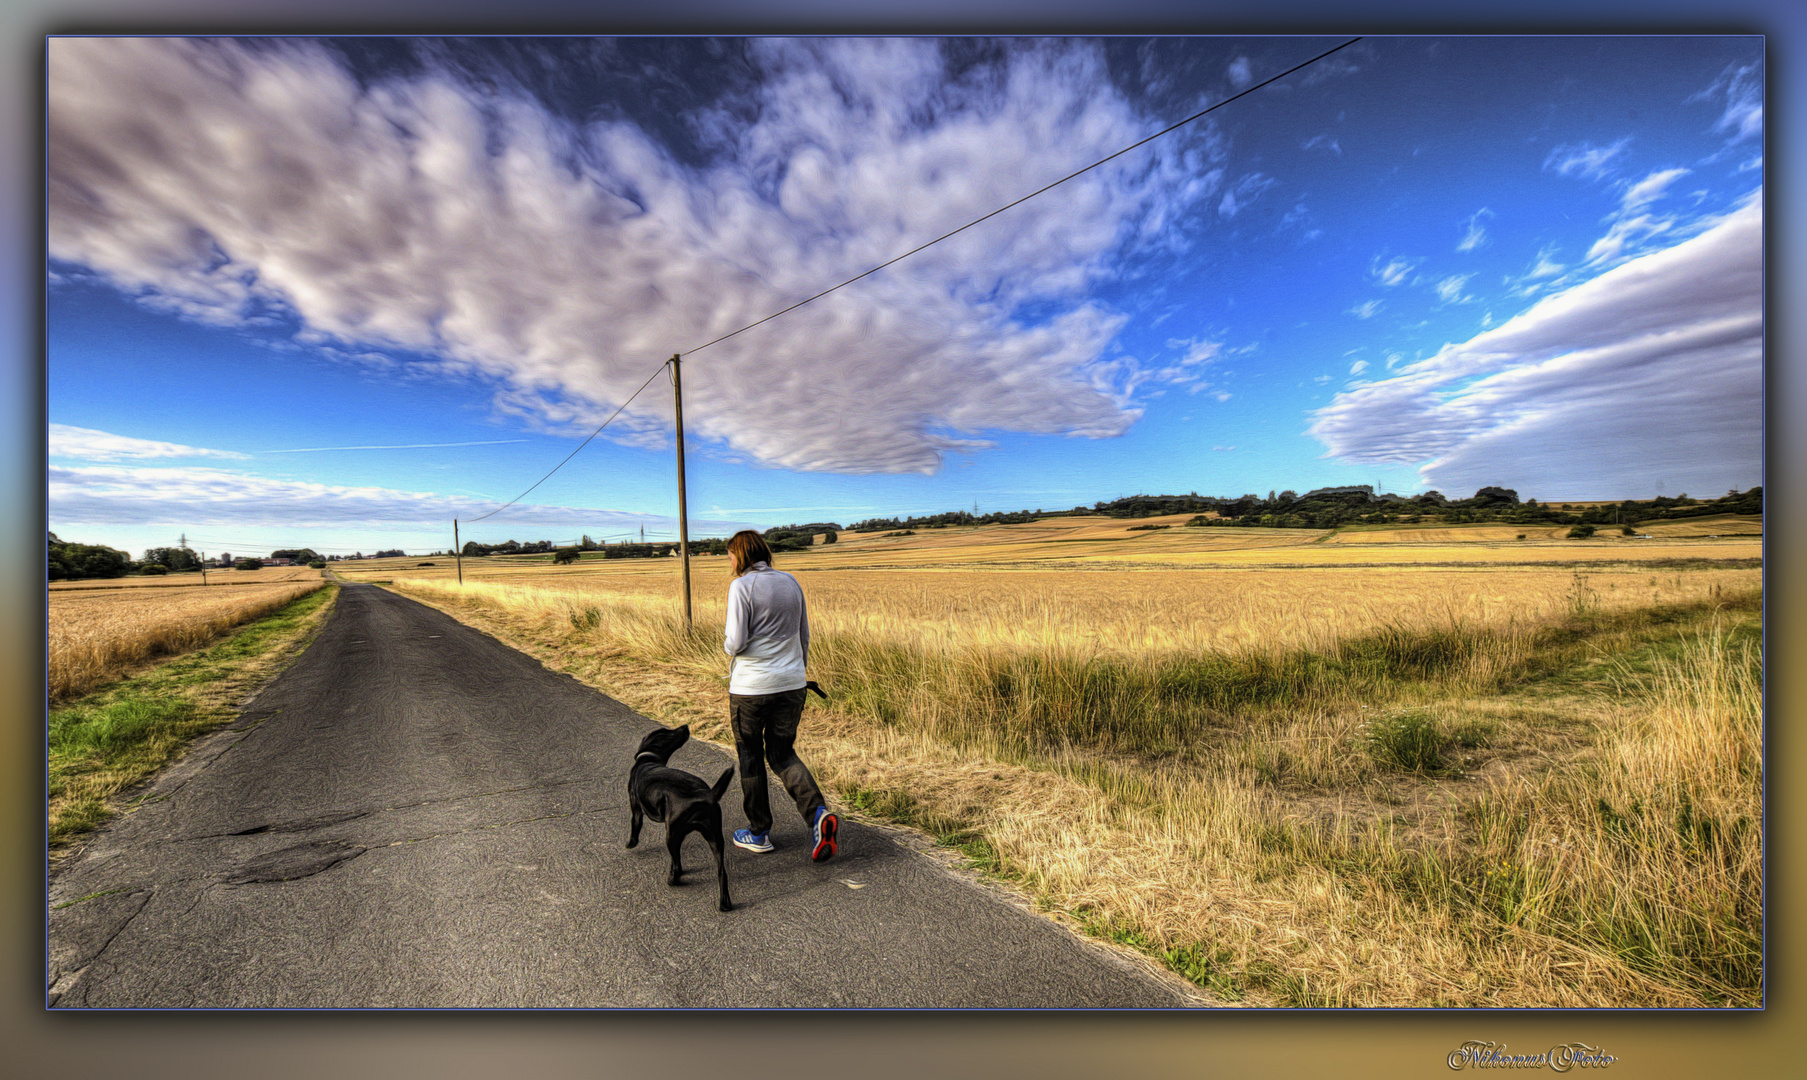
825, 826
752, 841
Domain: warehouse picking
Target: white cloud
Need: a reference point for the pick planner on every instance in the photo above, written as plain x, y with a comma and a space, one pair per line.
1546, 265
1651, 369
421, 215
1322, 142
1741, 87
1475, 234
1632, 226
87, 444
1366, 309
1585, 160
1239, 72
201, 496
1449, 290
1627, 232
1245, 192
1394, 272
1188, 368
1649, 189
1358, 367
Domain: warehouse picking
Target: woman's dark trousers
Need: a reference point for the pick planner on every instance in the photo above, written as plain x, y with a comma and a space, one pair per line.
765, 730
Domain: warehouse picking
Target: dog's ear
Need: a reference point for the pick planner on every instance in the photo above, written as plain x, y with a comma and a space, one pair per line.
684, 731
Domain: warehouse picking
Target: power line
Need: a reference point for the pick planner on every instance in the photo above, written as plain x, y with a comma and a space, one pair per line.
572, 454
1032, 194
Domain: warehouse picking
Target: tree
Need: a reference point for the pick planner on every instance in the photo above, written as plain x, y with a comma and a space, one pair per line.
173, 558
1581, 532
248, 564
72, 560
830, 537
564, 555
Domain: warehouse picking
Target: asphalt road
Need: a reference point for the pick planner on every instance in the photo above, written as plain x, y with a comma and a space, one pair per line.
415, 815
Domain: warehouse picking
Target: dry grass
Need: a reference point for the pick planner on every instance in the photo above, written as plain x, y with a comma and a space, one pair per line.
1140, 612
1192, 762
97, 635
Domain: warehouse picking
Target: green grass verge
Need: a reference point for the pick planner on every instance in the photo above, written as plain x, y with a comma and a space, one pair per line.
123, 734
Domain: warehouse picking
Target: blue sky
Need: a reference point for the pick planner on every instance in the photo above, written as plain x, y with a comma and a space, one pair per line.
335, 293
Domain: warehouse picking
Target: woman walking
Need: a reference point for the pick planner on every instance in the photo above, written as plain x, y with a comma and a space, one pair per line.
768, 637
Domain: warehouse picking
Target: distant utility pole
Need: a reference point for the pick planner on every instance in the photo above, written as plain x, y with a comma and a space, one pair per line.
457, 551
677, 408
203, 568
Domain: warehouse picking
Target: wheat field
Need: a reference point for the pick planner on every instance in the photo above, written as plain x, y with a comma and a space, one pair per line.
100, 632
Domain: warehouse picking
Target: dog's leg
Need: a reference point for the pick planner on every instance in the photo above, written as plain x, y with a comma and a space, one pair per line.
633, 831
714, 837
674, 843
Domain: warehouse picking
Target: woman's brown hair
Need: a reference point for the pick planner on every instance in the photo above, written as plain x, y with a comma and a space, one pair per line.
746, 548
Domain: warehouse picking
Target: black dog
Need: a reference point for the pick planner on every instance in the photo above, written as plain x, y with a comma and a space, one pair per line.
680, 799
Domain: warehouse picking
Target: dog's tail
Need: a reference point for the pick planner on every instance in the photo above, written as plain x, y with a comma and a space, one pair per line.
721, 786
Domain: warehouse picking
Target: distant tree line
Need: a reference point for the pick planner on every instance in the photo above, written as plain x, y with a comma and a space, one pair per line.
570, 553
956, 517
663, 551
1334, 507
800, 537
302, 555
70, 561
472, 549
1329, 508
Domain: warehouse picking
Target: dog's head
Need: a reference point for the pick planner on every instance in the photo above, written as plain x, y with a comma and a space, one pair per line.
663, 742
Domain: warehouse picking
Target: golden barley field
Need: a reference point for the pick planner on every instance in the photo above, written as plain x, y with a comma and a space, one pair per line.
192, 579
100, 630
1091, 582
1381, 767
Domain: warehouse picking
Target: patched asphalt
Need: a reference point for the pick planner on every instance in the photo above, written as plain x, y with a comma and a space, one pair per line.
415, 815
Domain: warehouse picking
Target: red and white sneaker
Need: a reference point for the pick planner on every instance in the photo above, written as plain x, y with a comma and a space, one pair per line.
825, 826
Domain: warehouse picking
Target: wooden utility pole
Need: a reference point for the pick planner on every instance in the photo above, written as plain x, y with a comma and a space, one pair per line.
677, 405
457, 551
